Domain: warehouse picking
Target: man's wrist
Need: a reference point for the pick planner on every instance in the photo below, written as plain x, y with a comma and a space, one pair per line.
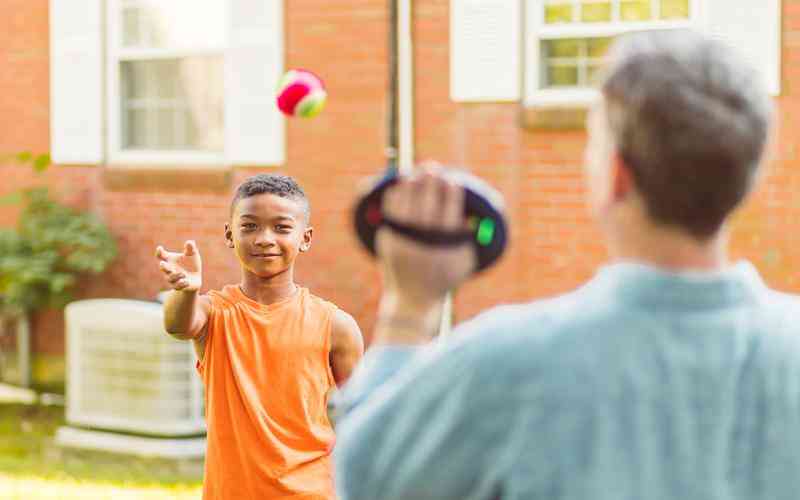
395, 304
404, 322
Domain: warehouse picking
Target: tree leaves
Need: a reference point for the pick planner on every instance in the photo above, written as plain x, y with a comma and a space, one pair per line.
41, 162
52, 246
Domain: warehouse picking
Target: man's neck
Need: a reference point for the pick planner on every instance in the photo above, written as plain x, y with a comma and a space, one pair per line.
670, 249
268, 290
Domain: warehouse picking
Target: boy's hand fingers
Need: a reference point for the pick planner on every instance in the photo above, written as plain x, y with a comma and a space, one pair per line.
180, 285
175, 277
189, 248
166, 255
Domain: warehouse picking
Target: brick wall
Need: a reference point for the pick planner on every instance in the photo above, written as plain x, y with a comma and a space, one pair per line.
554, 246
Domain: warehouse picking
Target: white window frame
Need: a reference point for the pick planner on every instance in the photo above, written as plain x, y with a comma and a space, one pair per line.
536, 30
115, 55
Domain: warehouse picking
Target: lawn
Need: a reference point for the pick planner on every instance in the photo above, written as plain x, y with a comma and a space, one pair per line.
32, 467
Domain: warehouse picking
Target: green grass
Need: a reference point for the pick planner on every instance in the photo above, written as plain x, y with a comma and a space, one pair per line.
32, 467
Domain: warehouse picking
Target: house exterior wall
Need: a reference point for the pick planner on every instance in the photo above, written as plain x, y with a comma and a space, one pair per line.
554, 246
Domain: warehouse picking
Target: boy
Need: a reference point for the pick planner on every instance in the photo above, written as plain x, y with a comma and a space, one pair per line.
269, 351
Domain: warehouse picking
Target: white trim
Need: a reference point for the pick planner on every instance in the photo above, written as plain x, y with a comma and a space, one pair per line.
255, 130
185, 427
148, 54
156, 157
566, 97
768, 58
76, 81
406, 85
597, 30
113, 90
187, 448
16, 395
479, 31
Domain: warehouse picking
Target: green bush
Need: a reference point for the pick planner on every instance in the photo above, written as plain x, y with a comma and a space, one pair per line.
51, 248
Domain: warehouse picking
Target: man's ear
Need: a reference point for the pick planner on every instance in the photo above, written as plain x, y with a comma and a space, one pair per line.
622, 184
308, 235
228, 235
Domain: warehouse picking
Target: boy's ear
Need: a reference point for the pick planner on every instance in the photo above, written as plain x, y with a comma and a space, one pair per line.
228, 235
621, 180
308, 235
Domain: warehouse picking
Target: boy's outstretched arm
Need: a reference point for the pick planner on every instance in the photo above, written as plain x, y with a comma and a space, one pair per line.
185, 311
347, 346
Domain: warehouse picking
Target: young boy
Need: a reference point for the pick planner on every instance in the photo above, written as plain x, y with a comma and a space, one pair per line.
269, 351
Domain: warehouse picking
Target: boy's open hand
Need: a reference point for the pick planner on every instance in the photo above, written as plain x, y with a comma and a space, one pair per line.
182, 271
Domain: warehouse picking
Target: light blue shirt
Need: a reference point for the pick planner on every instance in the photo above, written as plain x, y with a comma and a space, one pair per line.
640, 385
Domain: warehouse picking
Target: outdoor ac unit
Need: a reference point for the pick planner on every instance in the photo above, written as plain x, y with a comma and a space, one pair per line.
124, 373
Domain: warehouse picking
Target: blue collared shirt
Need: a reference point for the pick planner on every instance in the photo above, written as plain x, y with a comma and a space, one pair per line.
640, 385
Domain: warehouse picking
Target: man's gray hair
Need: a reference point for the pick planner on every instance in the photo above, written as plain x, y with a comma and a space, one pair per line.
691, 119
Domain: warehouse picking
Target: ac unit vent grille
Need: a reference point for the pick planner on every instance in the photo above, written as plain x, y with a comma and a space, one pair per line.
126, 373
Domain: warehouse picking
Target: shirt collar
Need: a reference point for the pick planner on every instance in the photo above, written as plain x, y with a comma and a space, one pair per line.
644, 283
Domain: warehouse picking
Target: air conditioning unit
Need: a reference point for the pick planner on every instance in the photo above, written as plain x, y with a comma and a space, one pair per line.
130, 386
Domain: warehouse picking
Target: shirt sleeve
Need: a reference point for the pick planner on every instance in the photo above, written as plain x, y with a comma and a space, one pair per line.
415, 427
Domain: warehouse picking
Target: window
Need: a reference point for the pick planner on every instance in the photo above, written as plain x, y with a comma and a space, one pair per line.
166, 82
563, 43
567, 40
165, 79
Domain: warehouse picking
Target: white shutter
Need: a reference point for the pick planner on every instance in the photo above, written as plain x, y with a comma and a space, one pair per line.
754, 29
485, 50
76, 81
254, 127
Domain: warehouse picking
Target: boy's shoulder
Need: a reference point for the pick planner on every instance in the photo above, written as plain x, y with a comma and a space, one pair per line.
317, 301
224, 297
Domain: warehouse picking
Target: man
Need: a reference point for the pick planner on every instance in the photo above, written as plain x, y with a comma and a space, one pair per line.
672, 374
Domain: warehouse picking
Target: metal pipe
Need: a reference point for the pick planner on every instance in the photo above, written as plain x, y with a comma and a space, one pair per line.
392, 142
405, 72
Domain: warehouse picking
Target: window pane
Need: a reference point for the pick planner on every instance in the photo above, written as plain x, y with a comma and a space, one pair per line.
165, 125
594, 73
562, 76
173, 23
597, 47
190, 129
558, 12
635, 10
674, 9
130, 27
573, 62
172, 104
166, 79
567, 47
133, 81
136, 129
593, 11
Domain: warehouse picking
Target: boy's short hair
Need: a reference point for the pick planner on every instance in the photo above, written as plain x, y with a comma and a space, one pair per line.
277, 184
690, 118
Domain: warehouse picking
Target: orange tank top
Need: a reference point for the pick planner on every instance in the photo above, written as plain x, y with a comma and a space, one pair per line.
267, 374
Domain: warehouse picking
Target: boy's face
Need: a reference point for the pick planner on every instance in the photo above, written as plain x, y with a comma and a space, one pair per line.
268, 231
